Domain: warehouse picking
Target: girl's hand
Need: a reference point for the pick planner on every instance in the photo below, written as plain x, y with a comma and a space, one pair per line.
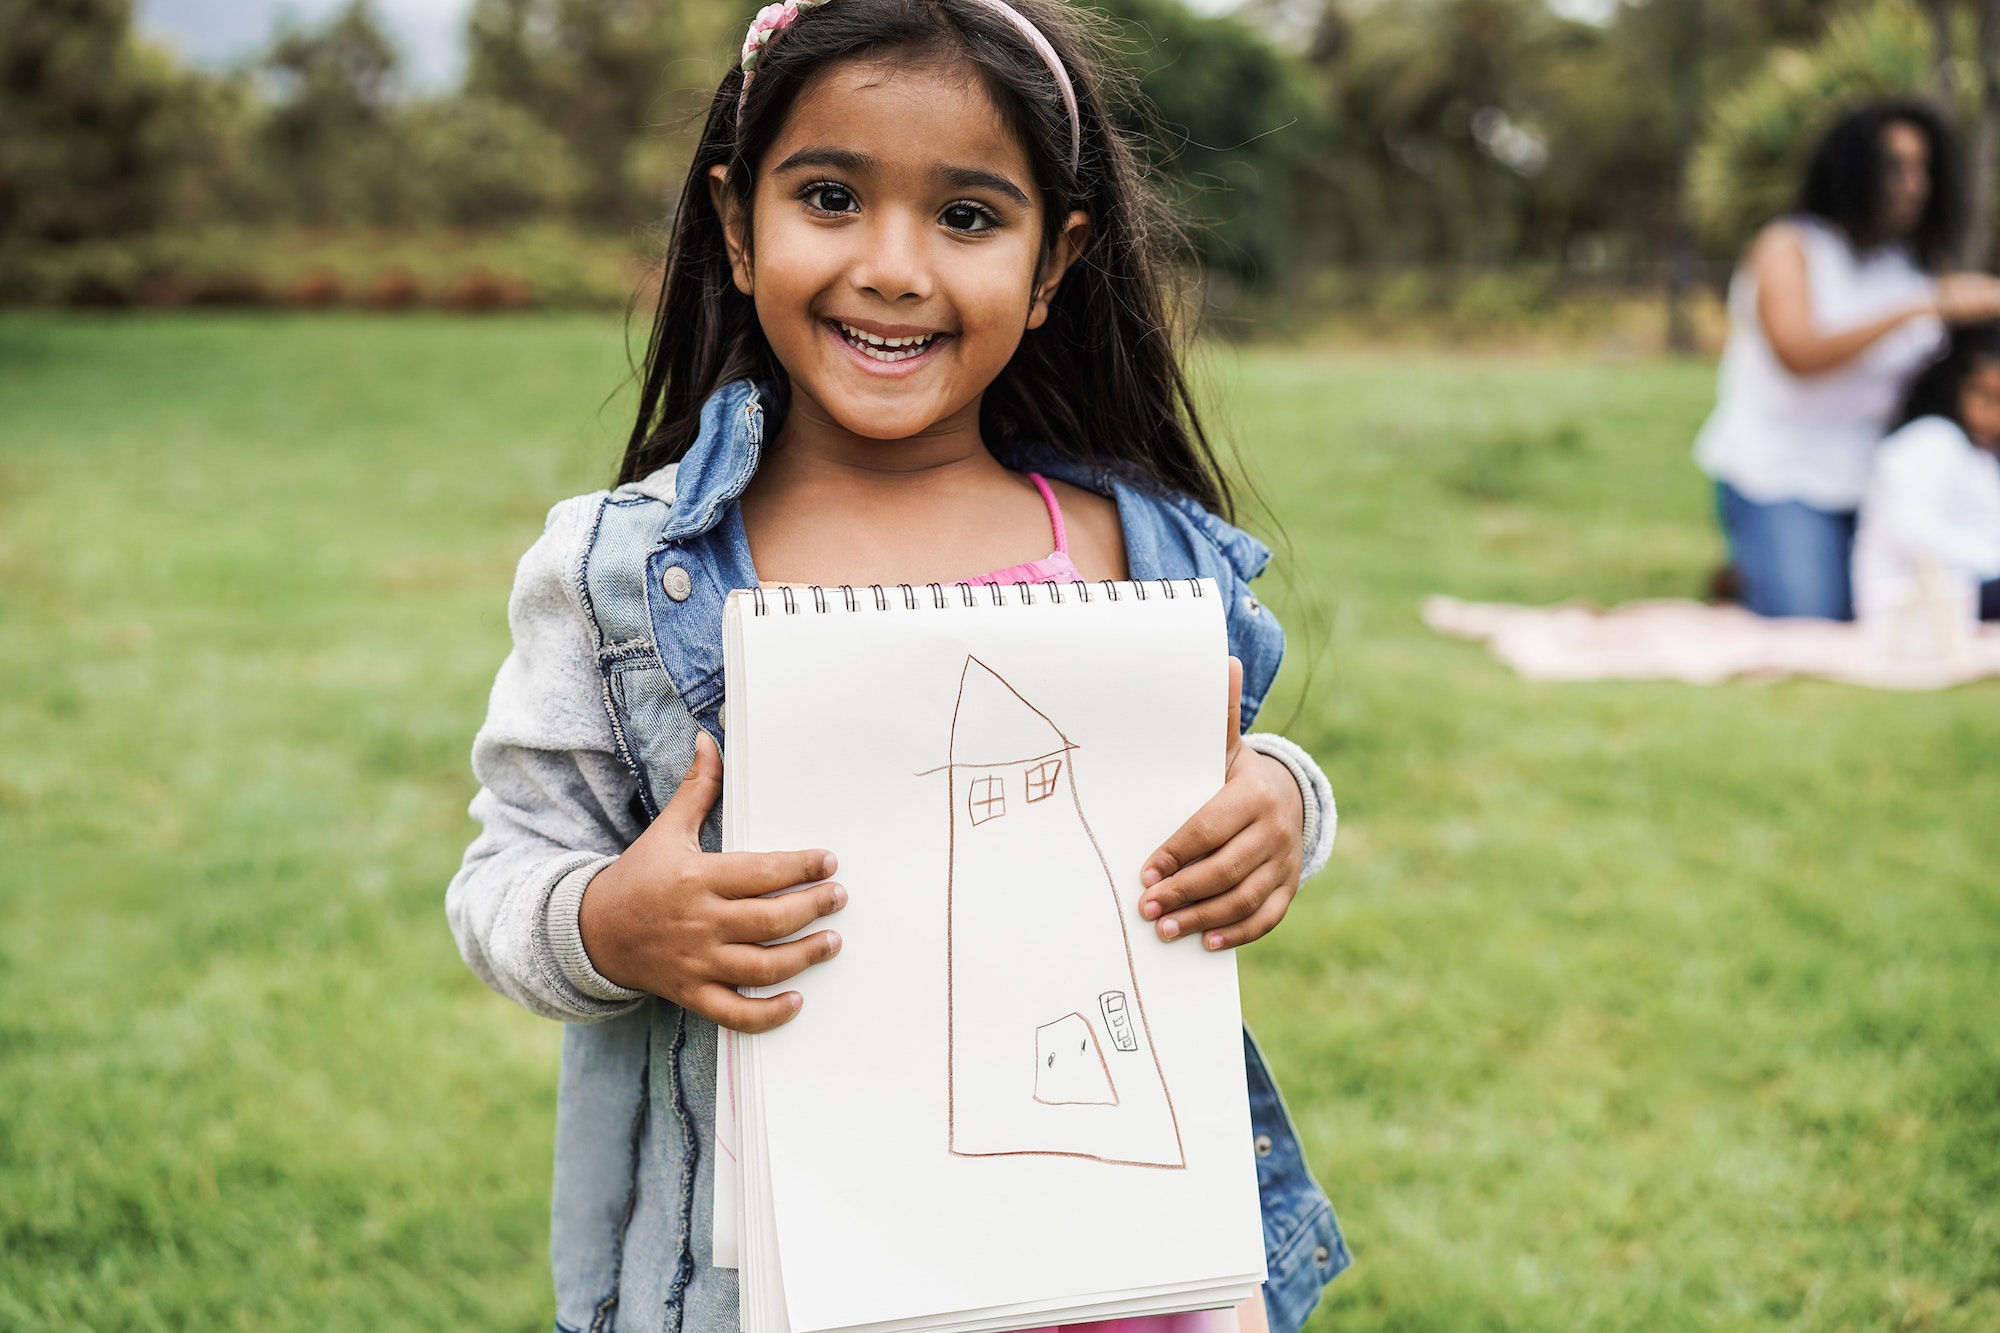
691, 926
1230, 872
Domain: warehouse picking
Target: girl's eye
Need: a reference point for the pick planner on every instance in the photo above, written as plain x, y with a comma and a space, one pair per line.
968, 217
829, 198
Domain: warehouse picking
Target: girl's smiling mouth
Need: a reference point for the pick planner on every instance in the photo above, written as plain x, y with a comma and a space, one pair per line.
886, 348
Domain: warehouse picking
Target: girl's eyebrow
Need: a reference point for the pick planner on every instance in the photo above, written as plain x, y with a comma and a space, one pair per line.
972, 178
828, 159
852, 163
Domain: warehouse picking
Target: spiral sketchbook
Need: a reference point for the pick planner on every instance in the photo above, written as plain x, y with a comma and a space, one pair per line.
1006, 1103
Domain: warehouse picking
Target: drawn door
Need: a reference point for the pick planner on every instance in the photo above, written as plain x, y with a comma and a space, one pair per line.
1050, 1053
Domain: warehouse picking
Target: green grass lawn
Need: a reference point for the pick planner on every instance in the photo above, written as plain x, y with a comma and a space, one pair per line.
1621, 1006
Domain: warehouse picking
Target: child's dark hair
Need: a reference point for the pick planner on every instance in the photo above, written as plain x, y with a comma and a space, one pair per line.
1935, 392
1099, 382
1844, 179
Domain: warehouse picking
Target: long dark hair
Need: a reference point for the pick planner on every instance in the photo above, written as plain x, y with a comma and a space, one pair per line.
1935, 392
1844, 180
1099, 382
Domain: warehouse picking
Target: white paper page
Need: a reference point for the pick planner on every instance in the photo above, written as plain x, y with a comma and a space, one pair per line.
727, 1189
1005, 1082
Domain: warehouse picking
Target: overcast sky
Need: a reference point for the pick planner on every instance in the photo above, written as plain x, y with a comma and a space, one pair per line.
430, 33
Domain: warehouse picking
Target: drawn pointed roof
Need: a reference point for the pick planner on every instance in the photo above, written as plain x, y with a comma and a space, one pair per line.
994, 725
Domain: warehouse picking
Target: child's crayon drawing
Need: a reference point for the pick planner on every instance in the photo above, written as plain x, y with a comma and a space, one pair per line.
1049, 1049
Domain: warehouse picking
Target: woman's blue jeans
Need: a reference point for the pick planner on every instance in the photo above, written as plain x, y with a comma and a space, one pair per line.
1791, 559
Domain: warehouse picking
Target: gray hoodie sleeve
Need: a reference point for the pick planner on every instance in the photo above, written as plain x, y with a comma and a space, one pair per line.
1322, 817
555, 799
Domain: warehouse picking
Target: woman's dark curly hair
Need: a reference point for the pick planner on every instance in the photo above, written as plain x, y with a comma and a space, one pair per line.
1935, 392
1099, 382
1844, 181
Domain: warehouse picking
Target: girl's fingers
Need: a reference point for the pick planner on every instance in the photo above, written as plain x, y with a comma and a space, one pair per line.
1227, 814
1255, 926
754, 874
698, 792
769, 964
740, 1013
1238, 903
1218, 872
759, 920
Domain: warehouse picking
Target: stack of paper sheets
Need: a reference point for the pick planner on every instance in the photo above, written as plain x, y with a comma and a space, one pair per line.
1005, 1104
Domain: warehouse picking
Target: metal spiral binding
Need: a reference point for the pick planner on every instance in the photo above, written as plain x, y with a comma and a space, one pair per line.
995, 592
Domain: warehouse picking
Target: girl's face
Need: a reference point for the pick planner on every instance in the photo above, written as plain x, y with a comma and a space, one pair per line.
1906, 177
895, 247
1979, 404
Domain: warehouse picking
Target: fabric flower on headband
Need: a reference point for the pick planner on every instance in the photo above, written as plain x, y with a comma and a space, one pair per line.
770, 21
773, 19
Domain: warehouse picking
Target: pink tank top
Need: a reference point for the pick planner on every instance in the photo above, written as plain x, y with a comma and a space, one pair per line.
1055, 565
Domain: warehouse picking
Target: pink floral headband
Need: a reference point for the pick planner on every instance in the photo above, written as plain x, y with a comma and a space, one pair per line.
775, 18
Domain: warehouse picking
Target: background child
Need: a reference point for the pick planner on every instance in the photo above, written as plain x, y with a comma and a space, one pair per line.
914, 330
1930, 518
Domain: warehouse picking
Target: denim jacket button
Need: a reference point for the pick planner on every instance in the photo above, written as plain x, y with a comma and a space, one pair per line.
675, 583
1263, 1145
1321, 1255
1252, 605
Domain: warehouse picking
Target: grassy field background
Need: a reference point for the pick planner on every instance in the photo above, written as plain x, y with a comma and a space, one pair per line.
1621, 1006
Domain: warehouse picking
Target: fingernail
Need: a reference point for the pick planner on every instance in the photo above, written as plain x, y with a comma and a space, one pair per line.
839, 896
1215, 940
1150, 910
1169, 928
832, 942
794, 999
828, 866
1150, 876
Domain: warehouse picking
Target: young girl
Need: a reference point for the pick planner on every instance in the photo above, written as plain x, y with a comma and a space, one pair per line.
1930, 517
913, 331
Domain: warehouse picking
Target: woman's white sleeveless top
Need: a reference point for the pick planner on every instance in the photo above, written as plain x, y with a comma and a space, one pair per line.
1777, 436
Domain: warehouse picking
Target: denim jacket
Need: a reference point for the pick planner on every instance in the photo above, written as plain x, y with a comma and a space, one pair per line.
652, 563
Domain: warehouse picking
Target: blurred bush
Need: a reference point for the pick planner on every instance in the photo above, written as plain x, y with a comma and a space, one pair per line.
1752, 158
550, 265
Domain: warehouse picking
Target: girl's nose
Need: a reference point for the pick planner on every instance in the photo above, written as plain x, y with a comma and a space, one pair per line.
891, 262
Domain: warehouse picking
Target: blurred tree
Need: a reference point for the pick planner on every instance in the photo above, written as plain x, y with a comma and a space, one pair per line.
100, 136
330, 144
477, 162
1232, 118
618, 80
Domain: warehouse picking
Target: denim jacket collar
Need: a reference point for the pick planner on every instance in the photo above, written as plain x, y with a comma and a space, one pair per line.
718, 467
1166, 536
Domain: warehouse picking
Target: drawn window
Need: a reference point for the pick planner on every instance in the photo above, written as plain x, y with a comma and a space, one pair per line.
1042, 779
986, 799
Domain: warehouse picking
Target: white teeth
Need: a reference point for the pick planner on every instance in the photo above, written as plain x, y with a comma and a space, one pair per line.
885, 349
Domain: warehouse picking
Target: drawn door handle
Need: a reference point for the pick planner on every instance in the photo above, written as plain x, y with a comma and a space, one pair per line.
1116, 1021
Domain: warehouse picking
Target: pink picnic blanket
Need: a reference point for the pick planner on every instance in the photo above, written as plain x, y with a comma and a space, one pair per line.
1701, 645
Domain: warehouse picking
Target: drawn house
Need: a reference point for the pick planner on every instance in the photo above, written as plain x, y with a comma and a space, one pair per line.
1049, 1049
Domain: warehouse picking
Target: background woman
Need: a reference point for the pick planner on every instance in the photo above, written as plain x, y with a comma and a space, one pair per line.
1831, 314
